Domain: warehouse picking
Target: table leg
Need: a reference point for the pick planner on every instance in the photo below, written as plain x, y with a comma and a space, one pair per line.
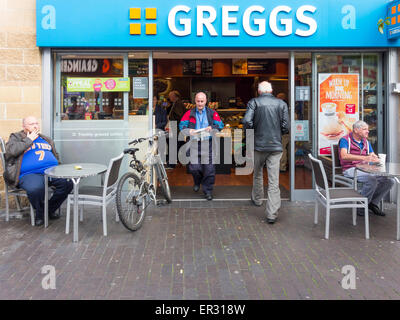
398, 210
76, 220
46, 201
355, 179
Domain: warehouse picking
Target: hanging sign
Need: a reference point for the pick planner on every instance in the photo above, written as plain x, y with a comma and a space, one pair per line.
338, 103
98, 84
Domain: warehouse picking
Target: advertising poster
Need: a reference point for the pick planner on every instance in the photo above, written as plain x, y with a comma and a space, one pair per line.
301, 130
338, 102
98, 84
140, 87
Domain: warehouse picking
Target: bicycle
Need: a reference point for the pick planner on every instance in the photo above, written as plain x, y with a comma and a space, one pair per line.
135, 191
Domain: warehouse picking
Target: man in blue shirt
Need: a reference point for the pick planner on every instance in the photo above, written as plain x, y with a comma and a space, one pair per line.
28, 155
355, 148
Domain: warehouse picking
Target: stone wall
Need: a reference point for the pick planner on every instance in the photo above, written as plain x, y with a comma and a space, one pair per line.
20, 68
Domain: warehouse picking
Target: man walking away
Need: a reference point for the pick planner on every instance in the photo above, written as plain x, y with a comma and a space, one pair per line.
269, 118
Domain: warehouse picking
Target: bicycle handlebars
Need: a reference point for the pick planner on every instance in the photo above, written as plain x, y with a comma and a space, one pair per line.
140, 140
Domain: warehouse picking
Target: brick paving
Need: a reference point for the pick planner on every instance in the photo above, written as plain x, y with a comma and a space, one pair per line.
203, 250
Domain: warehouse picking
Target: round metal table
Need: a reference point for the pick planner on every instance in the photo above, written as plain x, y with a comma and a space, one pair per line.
390, 169
73, 171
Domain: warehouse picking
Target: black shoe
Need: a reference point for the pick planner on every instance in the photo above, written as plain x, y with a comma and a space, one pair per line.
209, 196
54, 216
196, 188
270, 221
375, 210
39, 222
360, 212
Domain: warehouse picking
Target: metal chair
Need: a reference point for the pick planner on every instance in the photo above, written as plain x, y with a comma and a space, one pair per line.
16, 192
98, 196
337, 173
333, 198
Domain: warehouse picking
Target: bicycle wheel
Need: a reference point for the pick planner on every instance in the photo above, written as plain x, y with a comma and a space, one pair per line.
131, 210
163, 179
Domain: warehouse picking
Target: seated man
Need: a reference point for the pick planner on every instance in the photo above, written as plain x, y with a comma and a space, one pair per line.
28, 155
355, 148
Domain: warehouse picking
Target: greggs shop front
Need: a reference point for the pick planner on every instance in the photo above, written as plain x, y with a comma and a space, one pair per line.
333, 61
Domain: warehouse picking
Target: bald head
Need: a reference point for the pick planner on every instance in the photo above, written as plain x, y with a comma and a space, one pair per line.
30, 124
200, 100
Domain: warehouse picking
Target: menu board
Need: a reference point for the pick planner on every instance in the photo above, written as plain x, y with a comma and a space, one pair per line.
138, 67
261, 66
198, 67
338, 107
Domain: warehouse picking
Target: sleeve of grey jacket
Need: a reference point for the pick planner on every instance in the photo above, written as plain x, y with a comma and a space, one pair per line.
249, 116
284, 118
16, 146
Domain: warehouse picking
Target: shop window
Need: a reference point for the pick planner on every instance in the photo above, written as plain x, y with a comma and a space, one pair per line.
303, 116
92, 88
139, 94
370, 96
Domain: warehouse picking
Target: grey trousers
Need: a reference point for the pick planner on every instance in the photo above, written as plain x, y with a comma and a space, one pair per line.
374, 187
284, 159
272, 160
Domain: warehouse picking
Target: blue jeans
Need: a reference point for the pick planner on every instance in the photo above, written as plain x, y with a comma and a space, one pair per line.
374, 187
33, 184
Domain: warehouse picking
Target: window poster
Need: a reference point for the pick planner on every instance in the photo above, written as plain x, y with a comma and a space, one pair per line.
338, 103
98, 84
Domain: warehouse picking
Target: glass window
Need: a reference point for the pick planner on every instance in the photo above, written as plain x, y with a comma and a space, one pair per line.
370, 96
92, 87
303, 120
138, 65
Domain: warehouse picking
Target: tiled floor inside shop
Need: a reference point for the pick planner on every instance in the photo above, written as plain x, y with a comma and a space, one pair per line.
203, 250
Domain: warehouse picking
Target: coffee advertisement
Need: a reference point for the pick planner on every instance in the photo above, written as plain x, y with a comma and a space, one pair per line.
338, 102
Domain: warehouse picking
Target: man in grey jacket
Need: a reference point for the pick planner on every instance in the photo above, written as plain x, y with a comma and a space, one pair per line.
269, 118
28, 154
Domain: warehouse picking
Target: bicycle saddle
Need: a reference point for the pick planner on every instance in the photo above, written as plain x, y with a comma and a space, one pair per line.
131, 150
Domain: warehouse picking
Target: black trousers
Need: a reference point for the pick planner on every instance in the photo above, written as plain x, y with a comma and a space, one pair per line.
202, 168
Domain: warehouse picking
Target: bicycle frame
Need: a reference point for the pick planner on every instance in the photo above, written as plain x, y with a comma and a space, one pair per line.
146, 169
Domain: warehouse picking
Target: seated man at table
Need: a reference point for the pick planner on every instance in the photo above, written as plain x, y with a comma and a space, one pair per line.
355, 148
28, 155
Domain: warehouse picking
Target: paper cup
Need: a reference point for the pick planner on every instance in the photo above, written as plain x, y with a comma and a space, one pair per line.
382, 158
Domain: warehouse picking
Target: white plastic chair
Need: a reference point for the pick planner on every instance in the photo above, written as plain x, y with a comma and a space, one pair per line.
333, 198
97, 195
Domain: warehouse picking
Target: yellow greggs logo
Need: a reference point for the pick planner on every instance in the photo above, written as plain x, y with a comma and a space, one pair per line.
135, 14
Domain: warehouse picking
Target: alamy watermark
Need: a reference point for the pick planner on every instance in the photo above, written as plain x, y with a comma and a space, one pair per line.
349, 280
49, 280
196, 149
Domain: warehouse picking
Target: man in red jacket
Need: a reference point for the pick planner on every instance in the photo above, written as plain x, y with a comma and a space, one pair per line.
200, 123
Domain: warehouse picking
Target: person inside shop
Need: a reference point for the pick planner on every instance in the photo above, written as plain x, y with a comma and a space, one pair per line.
175, 115
285, 140
76, 111
267, 109
160, 114
355, 148
177, 108
200, 123
28, 155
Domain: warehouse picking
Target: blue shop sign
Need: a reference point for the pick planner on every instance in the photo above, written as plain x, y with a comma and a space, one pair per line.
392, 20
214, 24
